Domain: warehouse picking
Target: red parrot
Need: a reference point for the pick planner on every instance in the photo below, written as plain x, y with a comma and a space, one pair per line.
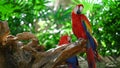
82, 29
72, 61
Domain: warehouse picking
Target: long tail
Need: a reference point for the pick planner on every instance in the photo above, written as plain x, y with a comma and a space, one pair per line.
91, 52
93, 45
90, 58
91, 48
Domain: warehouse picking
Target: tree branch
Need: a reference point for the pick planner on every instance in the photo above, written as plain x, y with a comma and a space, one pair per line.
15, 54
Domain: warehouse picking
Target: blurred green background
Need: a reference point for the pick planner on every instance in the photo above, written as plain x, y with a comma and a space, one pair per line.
48, 19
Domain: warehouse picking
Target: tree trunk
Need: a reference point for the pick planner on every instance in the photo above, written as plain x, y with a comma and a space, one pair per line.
14, 53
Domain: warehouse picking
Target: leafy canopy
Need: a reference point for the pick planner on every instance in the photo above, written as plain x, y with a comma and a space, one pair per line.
39, 18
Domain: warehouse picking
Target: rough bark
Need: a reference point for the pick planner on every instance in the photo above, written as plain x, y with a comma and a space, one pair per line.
14, 53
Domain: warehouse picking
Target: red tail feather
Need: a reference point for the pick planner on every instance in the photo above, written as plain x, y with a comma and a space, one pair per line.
90, 58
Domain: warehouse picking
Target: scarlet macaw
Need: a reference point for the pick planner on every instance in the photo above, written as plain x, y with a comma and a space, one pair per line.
73, 61
82, 29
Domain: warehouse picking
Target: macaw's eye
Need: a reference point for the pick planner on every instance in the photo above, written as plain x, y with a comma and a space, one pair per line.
76, 9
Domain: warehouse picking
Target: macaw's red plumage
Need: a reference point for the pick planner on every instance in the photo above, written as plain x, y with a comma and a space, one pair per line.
72, 61
65, 39
82, 29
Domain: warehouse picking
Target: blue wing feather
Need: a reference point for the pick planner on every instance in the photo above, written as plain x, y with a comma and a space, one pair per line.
90, 38
72, 62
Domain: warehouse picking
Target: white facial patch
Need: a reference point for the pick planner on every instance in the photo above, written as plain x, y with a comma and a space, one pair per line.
69, 39
81, 8
75, 9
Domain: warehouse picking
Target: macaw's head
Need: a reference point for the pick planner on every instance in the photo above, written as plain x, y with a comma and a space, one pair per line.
64, 39
78, 9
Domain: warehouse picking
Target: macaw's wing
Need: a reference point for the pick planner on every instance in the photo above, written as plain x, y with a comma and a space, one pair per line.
72, 62
90, 38
91, 47
87, 23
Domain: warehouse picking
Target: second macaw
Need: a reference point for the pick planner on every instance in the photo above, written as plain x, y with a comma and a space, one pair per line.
73, 61
82, 29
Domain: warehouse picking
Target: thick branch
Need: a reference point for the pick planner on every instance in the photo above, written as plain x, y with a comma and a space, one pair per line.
4, 31
54, 57
15, 54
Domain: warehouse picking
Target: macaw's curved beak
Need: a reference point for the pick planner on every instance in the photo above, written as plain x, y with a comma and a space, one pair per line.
78, 11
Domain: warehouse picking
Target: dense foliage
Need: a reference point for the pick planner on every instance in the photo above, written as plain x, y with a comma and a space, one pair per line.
38, 17
106, 26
